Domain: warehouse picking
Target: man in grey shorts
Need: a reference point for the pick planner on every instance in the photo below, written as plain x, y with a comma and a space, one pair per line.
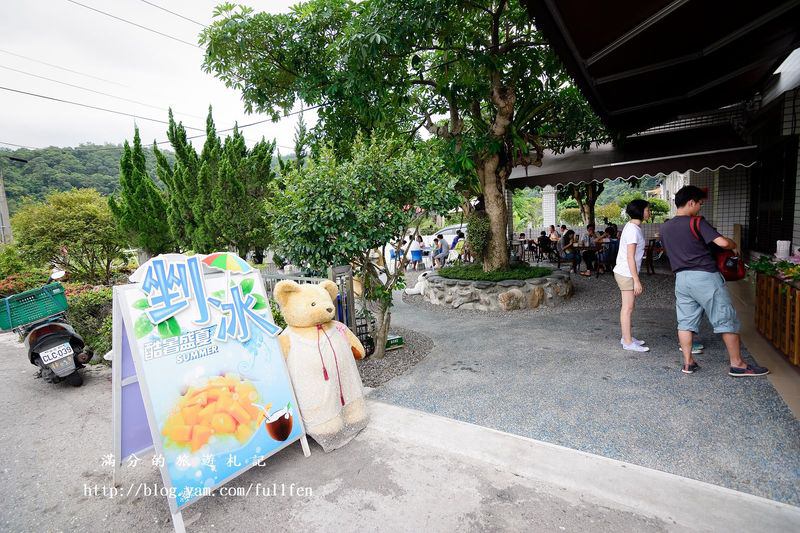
699, 286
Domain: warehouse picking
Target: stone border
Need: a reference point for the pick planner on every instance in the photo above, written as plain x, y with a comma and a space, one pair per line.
506, 295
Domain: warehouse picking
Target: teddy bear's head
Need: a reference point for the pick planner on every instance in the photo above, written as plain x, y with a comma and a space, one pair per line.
308, 304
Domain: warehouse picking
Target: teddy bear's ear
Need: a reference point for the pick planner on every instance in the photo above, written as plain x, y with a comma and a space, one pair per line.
283, 289
331, 287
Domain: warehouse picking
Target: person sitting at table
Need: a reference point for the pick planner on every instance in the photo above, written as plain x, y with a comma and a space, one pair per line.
568, 250
602, 241
554, 235
440, 257
610, 250
459, 249
590, 242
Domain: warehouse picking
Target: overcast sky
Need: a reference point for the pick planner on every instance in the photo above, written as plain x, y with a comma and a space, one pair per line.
139, 65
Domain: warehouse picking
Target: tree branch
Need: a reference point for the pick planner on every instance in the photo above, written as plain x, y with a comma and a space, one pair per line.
496, 24
511, 45
479, 6
423, 82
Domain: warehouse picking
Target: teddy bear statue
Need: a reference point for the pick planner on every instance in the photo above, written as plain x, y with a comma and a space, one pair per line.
320, 354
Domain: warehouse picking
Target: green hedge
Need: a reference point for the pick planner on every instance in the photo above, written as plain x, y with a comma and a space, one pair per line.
478, 231
277, 316
474, 272
90, 314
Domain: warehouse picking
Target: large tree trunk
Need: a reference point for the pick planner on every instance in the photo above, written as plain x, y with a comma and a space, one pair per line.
492, 173
593, 191
384, 318
492, 178
496, 257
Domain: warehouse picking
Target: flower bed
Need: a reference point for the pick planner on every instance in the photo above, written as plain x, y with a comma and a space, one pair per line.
474, 272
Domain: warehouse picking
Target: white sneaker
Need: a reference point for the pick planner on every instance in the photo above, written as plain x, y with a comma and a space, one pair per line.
633, 347
635, 341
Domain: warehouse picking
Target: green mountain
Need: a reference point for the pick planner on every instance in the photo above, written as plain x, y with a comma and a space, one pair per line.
60, 169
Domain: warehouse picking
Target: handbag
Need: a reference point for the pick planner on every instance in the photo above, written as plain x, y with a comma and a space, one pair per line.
729, 264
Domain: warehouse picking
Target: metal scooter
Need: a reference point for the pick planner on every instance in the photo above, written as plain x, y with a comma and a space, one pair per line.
39, 316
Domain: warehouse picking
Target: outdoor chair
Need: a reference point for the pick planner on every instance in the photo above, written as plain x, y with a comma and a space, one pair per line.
609, 255
648, 257
549, 253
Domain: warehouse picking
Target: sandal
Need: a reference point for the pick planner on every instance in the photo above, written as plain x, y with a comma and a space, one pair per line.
585, 274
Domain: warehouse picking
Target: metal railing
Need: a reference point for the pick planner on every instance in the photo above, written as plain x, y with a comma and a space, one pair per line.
341, 275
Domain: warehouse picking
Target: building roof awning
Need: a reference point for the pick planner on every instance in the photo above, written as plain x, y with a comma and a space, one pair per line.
645, 155
643, 63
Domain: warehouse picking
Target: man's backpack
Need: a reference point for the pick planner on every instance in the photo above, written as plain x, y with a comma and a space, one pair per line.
730, 265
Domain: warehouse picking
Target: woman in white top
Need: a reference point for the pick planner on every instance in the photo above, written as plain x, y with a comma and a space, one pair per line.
626, 272
415, 252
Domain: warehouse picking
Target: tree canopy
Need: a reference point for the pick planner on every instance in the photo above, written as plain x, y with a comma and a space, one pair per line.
474, 73
73, 230
140, 208
215, 199
335, 211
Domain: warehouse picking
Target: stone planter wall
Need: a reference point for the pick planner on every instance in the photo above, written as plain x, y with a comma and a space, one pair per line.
505, 295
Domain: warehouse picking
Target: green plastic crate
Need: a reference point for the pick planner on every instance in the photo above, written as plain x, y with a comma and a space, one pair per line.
31, 306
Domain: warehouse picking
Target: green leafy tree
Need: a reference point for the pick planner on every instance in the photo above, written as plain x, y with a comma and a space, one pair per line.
216, 199
612, 212
302, 140
658, 207
181, 183
206, 235
527, 210
570, 216
72, 230
388, 66
140, 209
261, 175
337, 211
585, 197
239, 194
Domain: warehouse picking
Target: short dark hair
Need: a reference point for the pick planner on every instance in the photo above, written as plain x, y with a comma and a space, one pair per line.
544, 233
592, 226
563, 226
690, 192
440, 236
636, 208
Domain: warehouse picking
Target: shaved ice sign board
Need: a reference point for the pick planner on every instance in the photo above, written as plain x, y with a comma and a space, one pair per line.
199, 378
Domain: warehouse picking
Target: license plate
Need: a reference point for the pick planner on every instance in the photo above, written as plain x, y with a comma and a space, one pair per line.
58, 352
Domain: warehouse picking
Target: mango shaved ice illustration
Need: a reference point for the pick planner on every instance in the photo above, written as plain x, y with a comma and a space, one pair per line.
222, 407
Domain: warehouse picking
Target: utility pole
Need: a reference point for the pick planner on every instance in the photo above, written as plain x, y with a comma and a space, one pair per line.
5, 220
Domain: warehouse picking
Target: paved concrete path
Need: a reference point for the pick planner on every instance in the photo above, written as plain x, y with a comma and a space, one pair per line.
408, 471
561, 377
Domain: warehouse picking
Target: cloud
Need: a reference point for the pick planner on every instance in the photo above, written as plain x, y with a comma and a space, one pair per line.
151, 69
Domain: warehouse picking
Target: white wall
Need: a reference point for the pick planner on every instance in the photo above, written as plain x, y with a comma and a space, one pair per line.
791, 126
